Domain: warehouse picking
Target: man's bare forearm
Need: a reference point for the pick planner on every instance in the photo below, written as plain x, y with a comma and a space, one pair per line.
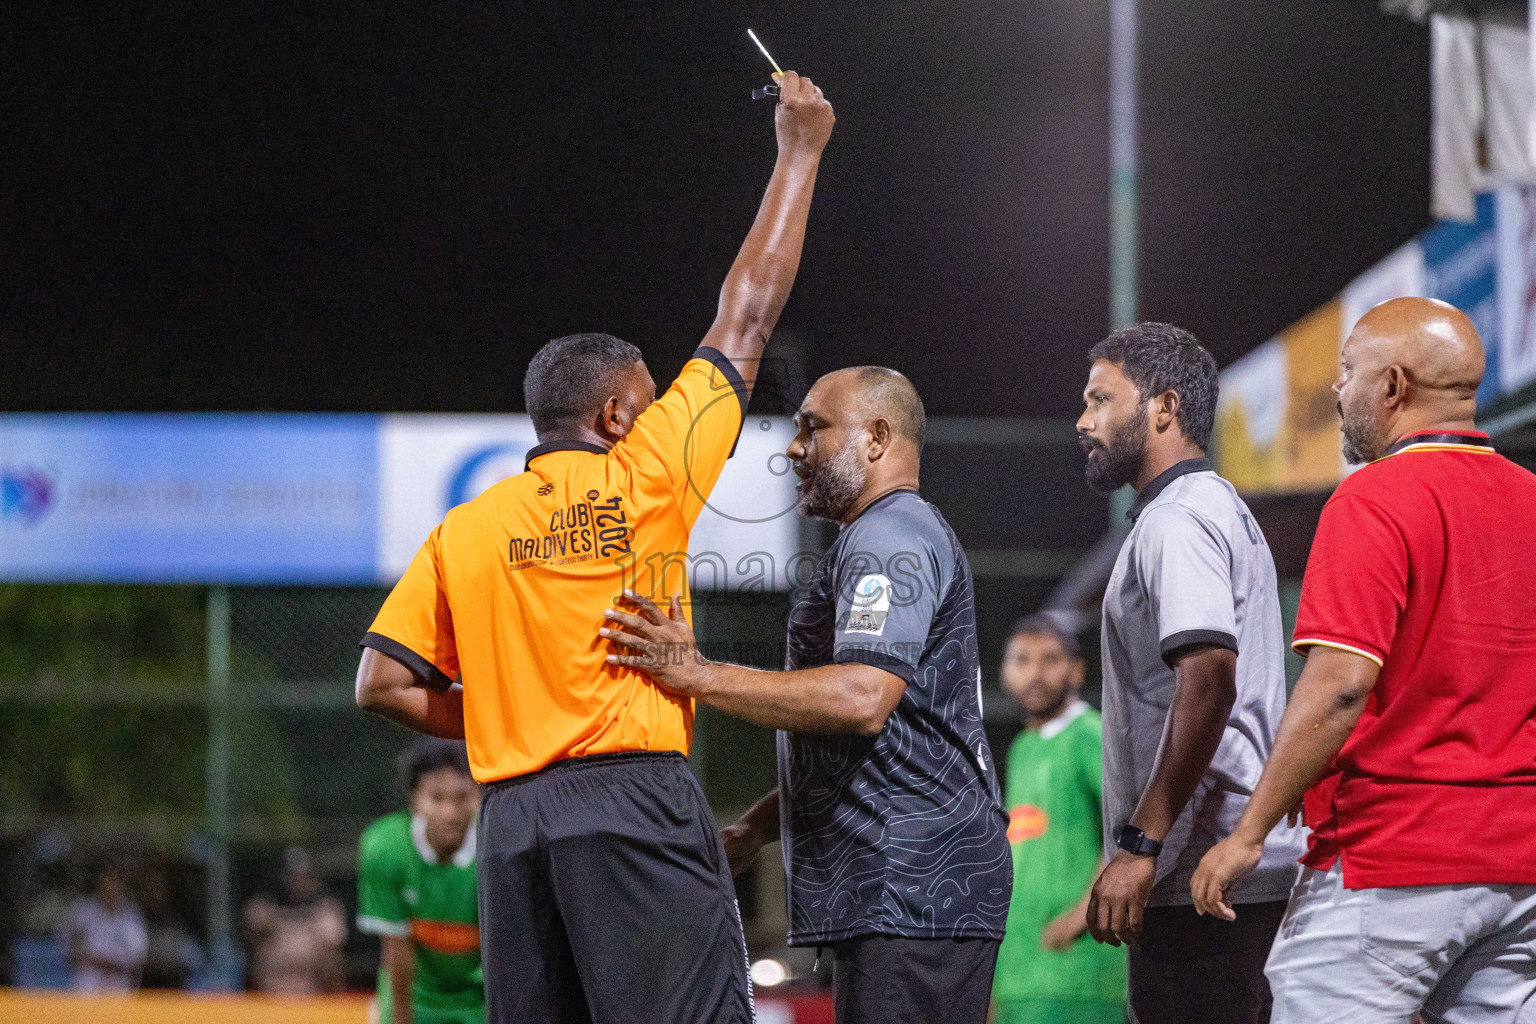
851, 698
400, 963
388, 688
1326, 704
1081, 908
1074, 917
425, 711
763, 816
764, 271
760, 280
1204, 692
842, 698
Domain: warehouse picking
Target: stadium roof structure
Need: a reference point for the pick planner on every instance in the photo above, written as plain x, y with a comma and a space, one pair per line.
1512, 417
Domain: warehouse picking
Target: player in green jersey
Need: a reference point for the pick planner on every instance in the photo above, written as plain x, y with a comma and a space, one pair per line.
416, 891
1048, 970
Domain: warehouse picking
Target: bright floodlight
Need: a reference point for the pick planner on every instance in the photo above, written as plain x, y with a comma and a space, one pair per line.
768, 973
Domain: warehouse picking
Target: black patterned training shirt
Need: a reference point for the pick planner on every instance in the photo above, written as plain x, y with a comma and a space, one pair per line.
902, 833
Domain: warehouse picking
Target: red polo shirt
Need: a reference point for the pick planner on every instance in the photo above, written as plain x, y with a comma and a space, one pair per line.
1423, 563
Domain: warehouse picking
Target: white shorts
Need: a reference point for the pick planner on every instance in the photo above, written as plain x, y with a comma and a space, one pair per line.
1458, 954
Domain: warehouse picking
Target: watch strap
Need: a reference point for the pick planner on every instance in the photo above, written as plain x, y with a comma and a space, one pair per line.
1134, 841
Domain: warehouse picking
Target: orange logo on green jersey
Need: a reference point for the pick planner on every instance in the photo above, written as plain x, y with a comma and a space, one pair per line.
446, 936
1026, 822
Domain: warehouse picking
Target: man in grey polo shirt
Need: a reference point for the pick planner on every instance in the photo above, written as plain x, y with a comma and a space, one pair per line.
1194, 686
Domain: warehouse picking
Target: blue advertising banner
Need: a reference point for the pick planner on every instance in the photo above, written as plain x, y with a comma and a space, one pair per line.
244, 498
313, 499
1461, 264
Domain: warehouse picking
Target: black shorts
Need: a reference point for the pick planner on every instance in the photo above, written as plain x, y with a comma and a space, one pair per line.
605, 897
1189, 969
886, 979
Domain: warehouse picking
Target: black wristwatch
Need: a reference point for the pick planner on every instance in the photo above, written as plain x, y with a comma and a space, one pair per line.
1133, 840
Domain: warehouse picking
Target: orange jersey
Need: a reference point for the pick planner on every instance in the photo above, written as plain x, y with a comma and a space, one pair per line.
508, 593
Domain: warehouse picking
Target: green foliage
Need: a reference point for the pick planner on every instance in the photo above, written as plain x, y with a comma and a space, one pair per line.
103, 715
64, 759
96, 633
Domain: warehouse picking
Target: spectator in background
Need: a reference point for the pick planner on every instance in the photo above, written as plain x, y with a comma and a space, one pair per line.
39, 953
174, 955
106, 937
416, 890
296, 942
1048, 970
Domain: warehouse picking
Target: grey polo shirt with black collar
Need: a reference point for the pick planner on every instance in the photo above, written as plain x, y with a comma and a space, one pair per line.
1195, 570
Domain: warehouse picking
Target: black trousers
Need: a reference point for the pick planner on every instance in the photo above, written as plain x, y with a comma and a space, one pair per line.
1189, 969
605, 898
884, 979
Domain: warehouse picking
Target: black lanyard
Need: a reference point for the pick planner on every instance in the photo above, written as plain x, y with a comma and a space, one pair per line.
1461, 439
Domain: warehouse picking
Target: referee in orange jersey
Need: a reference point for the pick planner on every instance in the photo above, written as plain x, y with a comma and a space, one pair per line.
604, 890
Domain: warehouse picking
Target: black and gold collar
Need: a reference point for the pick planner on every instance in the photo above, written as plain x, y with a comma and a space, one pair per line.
1441, 442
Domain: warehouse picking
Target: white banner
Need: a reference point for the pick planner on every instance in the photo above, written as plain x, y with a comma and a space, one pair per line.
1400, 274
428, 464
1516, 225
747, 535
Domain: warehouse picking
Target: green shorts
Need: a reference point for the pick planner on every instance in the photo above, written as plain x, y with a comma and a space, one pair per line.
425, 1016
1058, 1011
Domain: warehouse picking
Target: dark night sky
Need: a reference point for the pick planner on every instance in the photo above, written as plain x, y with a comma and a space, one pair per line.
390, 206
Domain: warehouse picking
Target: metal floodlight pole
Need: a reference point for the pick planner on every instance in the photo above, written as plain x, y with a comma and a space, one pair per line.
1122, 163
1122, 188
216, 797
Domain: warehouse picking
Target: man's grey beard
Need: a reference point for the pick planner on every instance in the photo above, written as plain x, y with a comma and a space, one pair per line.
1120, 460
834, 486
1360, 434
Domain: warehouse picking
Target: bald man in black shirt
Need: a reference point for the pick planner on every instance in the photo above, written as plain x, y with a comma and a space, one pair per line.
888, 806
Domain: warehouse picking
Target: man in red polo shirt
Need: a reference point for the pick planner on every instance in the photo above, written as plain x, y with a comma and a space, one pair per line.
1415, 716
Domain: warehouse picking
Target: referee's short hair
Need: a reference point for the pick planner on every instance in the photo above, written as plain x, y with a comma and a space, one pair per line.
1044, 624
1161, 357
428, 754
570, 377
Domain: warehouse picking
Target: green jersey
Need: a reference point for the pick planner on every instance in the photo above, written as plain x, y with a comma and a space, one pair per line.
404, 890
1055, 786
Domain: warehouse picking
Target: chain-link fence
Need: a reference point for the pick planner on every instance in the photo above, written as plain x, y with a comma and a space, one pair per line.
305, 766
189, 734
193, 734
